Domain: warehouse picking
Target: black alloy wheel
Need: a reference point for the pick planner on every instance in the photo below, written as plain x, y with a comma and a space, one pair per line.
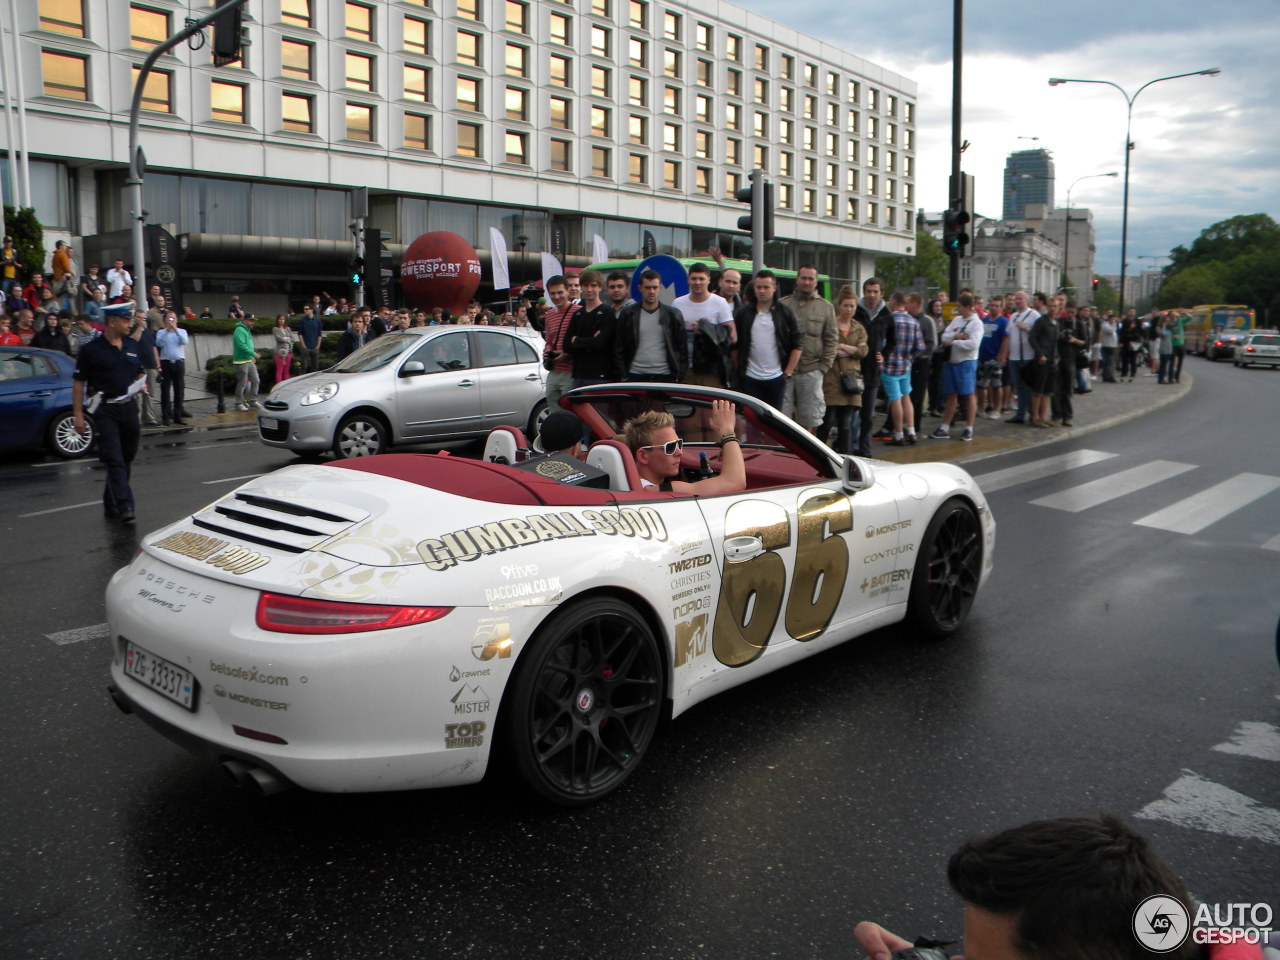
586, 700
945, 581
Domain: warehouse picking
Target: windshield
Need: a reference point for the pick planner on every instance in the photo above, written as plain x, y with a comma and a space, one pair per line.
379, 353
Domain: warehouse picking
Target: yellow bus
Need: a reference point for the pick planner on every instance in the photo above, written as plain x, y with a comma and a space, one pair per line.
1209, 318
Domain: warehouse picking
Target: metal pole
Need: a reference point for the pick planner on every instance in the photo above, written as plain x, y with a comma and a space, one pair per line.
1124, 216
24, 156
360, 253
957, 63
5, 70
136, 160
757, 220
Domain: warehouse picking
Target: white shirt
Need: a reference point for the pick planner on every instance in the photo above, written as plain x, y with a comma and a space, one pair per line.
763, 362
172, 344
1020, 334
967, 349
116, 280
715, 309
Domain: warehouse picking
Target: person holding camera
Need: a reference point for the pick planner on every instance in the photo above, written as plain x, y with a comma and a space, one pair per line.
555, 358
1063, 889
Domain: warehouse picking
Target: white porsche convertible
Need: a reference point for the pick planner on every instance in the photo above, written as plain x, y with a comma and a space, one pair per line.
401, 621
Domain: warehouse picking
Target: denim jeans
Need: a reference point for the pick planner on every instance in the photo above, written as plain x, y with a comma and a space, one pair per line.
843, 418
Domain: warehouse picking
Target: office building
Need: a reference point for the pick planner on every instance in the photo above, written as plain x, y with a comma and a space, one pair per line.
1028, 178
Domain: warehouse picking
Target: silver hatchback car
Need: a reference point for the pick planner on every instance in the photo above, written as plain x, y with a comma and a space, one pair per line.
425, 383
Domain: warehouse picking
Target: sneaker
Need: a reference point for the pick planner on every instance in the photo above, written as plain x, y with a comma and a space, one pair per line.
896, 442
967, 435
942, 433
993, 415
911, 438
242, 407
882, 435
1068, 423
1015, 420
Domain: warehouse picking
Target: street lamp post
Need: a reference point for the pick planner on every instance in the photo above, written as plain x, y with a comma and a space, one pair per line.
1128, 147
1066, 240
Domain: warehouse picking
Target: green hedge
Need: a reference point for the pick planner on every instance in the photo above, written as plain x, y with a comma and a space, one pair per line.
221, 368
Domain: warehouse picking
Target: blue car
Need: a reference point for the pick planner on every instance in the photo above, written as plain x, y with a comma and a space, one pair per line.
35, 403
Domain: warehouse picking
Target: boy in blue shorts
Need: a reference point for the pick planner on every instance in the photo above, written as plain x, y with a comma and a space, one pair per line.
895, 370
959, 375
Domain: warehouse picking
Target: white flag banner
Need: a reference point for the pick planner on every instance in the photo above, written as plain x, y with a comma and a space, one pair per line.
550, 268
599, 249
498, 259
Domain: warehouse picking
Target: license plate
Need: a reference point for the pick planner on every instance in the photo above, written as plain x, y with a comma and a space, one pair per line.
268, 423
163, 676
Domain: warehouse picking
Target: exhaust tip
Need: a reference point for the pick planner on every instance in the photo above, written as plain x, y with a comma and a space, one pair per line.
256, 780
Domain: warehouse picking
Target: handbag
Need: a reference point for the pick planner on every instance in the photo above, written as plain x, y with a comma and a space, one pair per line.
851, 382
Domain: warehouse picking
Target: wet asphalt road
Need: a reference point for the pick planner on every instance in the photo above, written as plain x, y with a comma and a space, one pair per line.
1105, 662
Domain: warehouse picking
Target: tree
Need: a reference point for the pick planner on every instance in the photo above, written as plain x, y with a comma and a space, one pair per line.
899, 273
1202, 283
1104, 297
28, 237
1226, 240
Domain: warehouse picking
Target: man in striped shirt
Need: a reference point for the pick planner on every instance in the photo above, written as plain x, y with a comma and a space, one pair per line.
895, 370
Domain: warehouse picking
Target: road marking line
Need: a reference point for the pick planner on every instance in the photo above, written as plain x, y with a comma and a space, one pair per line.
1273, 543
1254, 739
1209, 506
73, 506
1120, 484
250, 476
99, 631
219, 446
1200, 804
1038, 469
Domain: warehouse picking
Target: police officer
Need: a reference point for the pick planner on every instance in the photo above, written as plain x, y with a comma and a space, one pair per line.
109, 365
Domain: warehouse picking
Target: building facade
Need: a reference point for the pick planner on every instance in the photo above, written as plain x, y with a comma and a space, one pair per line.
1076, 238
1028, 178
539, 117
1003, 257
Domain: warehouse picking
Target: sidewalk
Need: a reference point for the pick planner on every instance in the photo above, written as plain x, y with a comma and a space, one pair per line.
1107, 405
203, 415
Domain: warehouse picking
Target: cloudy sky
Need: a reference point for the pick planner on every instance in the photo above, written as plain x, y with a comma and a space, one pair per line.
1206, 148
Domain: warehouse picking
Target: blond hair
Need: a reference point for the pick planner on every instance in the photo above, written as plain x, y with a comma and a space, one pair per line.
639, 430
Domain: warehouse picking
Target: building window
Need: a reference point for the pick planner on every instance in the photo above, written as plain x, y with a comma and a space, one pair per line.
873, 184
761, 155
991, 271
891, 189
600, 161
851, 121
417, 36
468, 94
733, 151
359, 71
561, 71
638, 91
852, 181
416, 81
762, 57
909, 112
760, 124
517, 104
703, 107
637, 129
601, 81
1011, 272
851, 151
417, 131
833, 174
671, 25
561, 26
517, 146
873, 98
517, 60
833, 114
785, 159
702, 36
908, 195
891, 133
833, 144
359, 22
226, 101
561, 155
295, 113
733, 82
909, 164
810, 169
873, 212
517, 16
561, 113
852, 95
671, 174
671, 62
65, 75
733, 116
702, 73
470, 47
639, 13
787, 131
966, 268
671, 100
157, 91
62, 16
468, 10
147, 27
810, 75
891, 105
785, 200
851, 209
787, 66
786, 98
909, 140
702, 144
296, 13
873, 155
833, 84
671, 137
732, 183
831, 200
702, 180
810, 138
808, 201
600, 121
810, 106
359, 122
637, 52
601, 41
295, 59
888, 216
600, 8
469, 140
733, 47
761, 91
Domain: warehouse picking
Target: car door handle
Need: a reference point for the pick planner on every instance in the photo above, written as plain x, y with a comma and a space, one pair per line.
466, 383
42, 393
533, 376
742, 548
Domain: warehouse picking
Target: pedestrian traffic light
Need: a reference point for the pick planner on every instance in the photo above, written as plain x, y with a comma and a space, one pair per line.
228, 33
377, 263
955, 236
1095, 284
357, 270
759, 194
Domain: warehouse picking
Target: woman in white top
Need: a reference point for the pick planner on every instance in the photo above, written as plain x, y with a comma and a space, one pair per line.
1109, 342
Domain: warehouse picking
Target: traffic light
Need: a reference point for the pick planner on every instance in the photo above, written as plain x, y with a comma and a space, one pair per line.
1095, 284
954, 235
228, 34
357, 270
758, 193
377, 263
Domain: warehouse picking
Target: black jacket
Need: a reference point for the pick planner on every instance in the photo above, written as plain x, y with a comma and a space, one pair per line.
785, 329
590, 342
627, 338
349, 343
881, 338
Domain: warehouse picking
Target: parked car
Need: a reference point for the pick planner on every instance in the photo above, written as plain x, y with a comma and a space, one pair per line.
1260, 349
424, 383
1222, 346
405, 621
35, 403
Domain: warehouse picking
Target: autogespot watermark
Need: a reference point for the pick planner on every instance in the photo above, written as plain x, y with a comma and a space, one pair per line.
1162, 924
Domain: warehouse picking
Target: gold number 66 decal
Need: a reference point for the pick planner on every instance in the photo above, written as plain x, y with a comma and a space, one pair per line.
754, 576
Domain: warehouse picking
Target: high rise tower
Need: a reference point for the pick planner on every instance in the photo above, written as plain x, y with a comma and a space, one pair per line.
1028, 178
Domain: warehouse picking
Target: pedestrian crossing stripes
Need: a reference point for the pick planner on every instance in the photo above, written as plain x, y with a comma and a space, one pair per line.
1075, 499
1038, 469
1207, 507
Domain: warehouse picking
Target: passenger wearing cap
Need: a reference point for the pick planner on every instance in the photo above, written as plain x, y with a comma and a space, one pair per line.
560, 435
656, 447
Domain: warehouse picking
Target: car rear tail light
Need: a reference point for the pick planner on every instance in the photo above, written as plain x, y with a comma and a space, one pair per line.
257, 734
1248, 349
283, 614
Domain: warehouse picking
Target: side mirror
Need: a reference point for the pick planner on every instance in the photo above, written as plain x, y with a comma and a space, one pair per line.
413, 368
857, 475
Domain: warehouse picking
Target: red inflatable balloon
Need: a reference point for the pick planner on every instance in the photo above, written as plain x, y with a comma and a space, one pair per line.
440, 269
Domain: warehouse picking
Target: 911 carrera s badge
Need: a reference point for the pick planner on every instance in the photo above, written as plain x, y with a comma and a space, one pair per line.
219, 553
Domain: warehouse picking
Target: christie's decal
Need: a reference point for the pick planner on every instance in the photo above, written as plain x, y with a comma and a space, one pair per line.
219, 553
470, 543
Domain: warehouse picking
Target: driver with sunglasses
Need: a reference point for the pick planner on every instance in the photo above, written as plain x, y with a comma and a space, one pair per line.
656, 447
